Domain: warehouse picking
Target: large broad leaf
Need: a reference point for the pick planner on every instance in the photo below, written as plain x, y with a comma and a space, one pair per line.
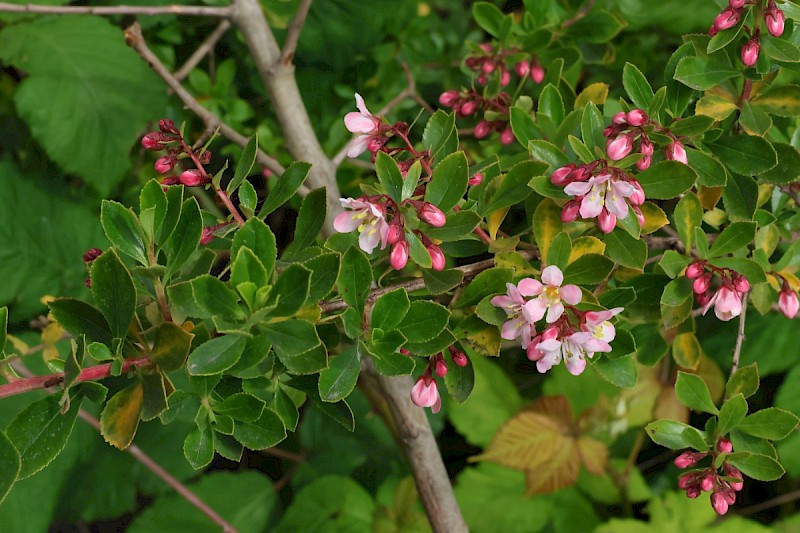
73, 99
42, 238
334, 502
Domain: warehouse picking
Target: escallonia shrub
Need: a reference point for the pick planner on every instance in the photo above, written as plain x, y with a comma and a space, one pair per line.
640, 214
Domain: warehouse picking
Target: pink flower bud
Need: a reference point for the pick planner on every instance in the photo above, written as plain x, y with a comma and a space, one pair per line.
476, 179
437, 257
203, 156
712, 31
606, 221
394, 234
208, 235
170, 180
788, 303
619, 147
695, 270
740, 283
644, 163
736, 4
707, 483
732, 471
523, 68
646, 146
375, 144
488, 67
702, 283
636, 117
482, 129
440, 367
719, 503
425, 393
693, 492
92, 254
507, 137
750, 52
448, 98
560, 176
398, 257
537, 73
702, 298
687, 480
688, 459
482, 79
724, 446
191, 178
468, 108
155, 140
775, 21
168, 126
639, 215
581, 173
164, 164
637, 197
676, 152
620, 118
569, 213
505, 77
486, 47
609, 131
432, 215
459, 357
405, 352
727, 19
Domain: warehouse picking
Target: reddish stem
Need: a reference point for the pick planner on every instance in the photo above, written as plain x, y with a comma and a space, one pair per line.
222, 194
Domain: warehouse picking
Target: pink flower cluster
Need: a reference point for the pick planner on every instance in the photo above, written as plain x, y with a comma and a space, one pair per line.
723, 488
731, 16
599, 191
167, 138
562, 339
425, 392
372, 132
490, 61
627, 129
727, 299
470, 103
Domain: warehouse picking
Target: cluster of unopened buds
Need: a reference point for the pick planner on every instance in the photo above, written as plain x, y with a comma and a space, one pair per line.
723, 488
788, 303
599, 191
496, 61
469, 103
90, 255
731, 16
628, 129
169, 138
570, 335
425, 392
727, 298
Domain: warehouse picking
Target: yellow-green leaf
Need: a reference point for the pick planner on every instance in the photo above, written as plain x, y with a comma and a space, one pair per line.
120, 416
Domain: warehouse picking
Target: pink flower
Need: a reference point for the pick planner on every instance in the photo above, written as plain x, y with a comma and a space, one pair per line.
601, 330
549, 296
788, 303
603, 190
750, 52
727, 303
362, 122
424, 393
676, 152
518, 326
366, 217
571, 349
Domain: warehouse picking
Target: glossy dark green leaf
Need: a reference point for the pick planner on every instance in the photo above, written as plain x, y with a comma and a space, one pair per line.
440, 136
625, 250
260, 239
740, 197
731, 414
216, 355
214, 296
124, 230
198, 448
248, 268
710, 171
703, 72
691, 126
154, 395
559, 250
488, 17
668, 433
185, 238
771, 423
290, 291
245, 165
355, 278
265, 432
438, 282
693, 392
587, 269
338, 380
241, 406
284, 188
780, 49
439, 343
737, 235
389, 175
388, 361
297, 345
490, 281
636, 85
154, 199
667, 179
788, 168
417, 251
10, 464
745, 381
620, 371
523, 126
424, 321
676, 302
449, 181
310, 220
80, 318
390, 309
459, 380
458, 225
745, 154
514, 187
114, 292
757, 466
324, 272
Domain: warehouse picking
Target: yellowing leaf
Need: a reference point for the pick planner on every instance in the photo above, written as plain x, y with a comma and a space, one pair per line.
715, 106
594, 455
52, 333
764, 193
527, 441
486, 342
515, 262
120, 416
709, 196
595, 93
586, 245
546, 224
495, 219
654, 217
560, 472
794, 282
20, 346
686, 350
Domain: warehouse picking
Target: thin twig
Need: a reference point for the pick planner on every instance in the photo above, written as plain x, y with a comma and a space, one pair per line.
579, 15
293, 35
188, 11
204, 49
135, 39
777, 500
284, 454
737, 350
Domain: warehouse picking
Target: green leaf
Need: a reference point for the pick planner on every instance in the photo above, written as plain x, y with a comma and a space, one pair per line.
388, 361
442, 281
703, 72
732, 413
335, 502
788, 168
780, 49
547, 152
411, 180
771, 423
390, 309
551, 104
693, 392
297, 345
686, 350
417, 251
458, 225
324, 271
185, 239
598, 26
691, 126
440, 137
522, 124
114, 292
355, 279
488, 17
668, 433
424, 321
265, 432
285, 187
389, 175
290, 291
241, 406
676, 302
256, 236
216, 355
754, 121
757, 466
75, 68
636, 85
592, 125
153, 197
214, 297
688, 216
10, 465
198, 448
559, 250
749, 268
246, 267
588, 269
124, 230
459, 381
245, 165
338, 380
621, 371
490, 281
740, 197
780, 100
310, 220
736, 236
745, 381
625, 250
667, 179
710, 171
449, 181
80, 318
514, 187
171, 346
745, 154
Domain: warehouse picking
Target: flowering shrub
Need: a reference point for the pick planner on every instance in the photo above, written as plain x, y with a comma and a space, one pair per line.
569, 201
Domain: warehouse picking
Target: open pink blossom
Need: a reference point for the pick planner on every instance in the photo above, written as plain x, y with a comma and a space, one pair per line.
366, 217
362, 122
549, 295
517, 327
425, 393
601, 330
602, 190
571, 349
727, 303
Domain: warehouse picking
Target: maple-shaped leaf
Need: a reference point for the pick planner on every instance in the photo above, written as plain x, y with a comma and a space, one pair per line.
545, 442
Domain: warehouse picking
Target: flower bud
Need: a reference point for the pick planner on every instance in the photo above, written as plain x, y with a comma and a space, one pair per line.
636, 117
676, 152
727, 19
437, 257
606, 221
482, 79
537, 73
637, 197
507, 137
459, 357
732, 471
702, 283
688, 459
719, 503
693, 492
736, 4
569, 213
168, 126
560, 176
712, 31
724, 446
644, 163
619, 147
394, 234
775, 21
639, 215
468, 108
646, 146
191, 178
486, 47
523, 68
405, 352
695, 270
170, 180
620, 118
487, 67
740, 283
440, 367
398, 257
788, 303
702, 298
165, 164
609, 131
424, 393
432, 215
155, 141
482, 129
707, 483
476, 179
448, 98
204, 156
687, 480
92, 254
208, 235
505, 77
750, 52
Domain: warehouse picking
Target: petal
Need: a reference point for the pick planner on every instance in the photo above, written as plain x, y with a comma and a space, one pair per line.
503, 302
554, 312
575, 364
362, 107
711, 302
622, 188
436, 407
617, 205
548, 361
510, 328
383, 229
591, 205
597, 345
514, 294
358, 123
369, 239
570, 294
524, 335
530, 287
549, 345
346, 222
358, 146
534, 310
552, 275
577, 188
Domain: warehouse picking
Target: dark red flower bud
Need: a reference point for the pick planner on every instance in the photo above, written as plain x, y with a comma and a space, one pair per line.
740, 283
482, 129
168, 126
191, 178
92, 254
448, 98
394, 234
165, 164
208, 235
